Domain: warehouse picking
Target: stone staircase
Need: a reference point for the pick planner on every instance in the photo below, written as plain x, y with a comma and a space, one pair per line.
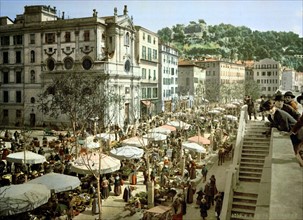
254, 150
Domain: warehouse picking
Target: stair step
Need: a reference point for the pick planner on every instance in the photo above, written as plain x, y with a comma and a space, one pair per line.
255, 151
254, 160
255, 146
241, 217
250, 164
250, 179
255, 140
245, 200
252, 169
245, 194
240, 213
250, 155
245, 206
249, 174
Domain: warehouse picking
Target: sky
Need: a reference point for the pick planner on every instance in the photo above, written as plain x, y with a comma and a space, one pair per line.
261, 15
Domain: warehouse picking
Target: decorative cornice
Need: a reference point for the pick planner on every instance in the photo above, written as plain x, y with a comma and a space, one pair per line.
86, 51
51, 53
68, 53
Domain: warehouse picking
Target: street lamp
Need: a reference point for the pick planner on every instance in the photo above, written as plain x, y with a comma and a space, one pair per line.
95, 120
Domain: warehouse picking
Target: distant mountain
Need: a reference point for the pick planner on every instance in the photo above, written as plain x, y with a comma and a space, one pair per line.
225, 41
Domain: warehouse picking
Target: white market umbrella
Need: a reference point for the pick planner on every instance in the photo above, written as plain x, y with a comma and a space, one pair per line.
219, 109
214, 111
127, 152
155, 136
93, 145
57, 182
15, 199
231, 117
194, 147
106, 136
135, 141
89, 163
26, 157
161, 130
179, 124
230, 105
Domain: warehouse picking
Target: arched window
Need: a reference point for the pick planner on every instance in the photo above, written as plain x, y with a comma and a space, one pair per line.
127, 39
33, 76
33, 100
32, 56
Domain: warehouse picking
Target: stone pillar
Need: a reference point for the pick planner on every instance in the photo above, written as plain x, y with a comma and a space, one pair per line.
150, 194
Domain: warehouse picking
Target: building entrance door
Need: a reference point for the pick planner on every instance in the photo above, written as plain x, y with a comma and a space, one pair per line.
32, 120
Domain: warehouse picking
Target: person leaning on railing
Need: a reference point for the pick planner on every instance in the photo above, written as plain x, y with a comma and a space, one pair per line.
297, 129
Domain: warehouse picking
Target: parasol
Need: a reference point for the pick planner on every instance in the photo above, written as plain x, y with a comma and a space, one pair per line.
21, 198
57, 182
89, 163
26, 157
155, 136
199, 140
127, 152
194, 147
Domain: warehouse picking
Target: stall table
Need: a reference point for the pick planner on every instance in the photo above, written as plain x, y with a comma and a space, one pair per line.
158, 213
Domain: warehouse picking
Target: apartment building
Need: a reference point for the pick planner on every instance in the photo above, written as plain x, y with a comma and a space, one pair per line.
168, 78
267, 73
148, 60
39, 45
223, 80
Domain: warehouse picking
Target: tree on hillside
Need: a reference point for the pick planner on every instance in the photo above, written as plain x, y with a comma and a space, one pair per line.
165, 34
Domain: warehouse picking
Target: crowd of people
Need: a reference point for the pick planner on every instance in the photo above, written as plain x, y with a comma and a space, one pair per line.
60, 152
282, 113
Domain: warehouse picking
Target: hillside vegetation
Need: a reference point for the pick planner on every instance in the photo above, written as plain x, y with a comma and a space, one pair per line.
224, 41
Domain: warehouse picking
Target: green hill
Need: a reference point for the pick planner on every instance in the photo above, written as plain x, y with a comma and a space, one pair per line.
225, 41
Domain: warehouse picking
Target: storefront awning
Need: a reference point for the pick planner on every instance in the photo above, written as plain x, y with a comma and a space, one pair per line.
146, 102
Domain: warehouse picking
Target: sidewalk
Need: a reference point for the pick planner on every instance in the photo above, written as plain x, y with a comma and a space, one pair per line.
193, 211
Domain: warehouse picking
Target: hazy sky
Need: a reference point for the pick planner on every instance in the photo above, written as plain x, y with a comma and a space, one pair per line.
262, 15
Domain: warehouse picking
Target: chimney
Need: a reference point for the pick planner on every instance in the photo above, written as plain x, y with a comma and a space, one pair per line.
125, 10
63, 15
115, 11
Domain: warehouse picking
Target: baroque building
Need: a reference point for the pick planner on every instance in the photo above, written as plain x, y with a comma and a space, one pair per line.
39, 45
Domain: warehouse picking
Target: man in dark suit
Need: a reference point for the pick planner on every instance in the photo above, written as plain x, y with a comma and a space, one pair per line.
279, 119
280, 103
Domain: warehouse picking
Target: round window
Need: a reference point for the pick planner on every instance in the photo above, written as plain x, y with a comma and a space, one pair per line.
68, 63
127, 66
87, 64
51, 64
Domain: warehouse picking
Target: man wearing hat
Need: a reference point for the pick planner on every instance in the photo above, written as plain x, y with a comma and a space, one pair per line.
297, 129
279, 103
278, 118
289, 99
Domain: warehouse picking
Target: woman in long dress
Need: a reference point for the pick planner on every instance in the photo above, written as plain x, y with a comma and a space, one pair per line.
117, 186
